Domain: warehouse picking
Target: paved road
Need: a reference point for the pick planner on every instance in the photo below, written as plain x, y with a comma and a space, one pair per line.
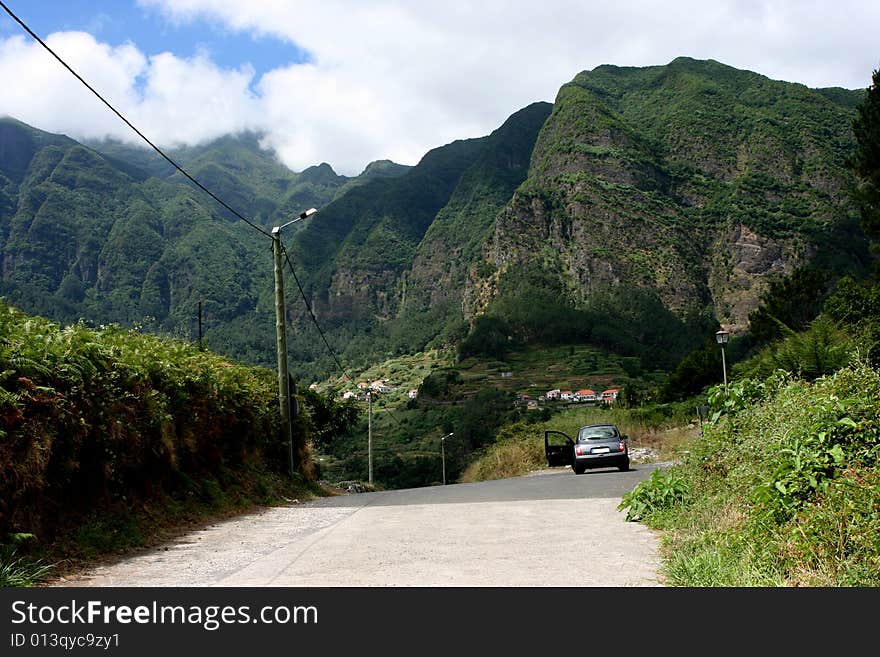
550, 528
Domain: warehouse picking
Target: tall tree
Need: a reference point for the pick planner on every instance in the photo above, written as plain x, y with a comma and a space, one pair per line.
865, 161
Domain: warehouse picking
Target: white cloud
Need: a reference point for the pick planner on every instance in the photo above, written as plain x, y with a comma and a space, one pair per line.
170, 100
185, 101
394, 78
36, 88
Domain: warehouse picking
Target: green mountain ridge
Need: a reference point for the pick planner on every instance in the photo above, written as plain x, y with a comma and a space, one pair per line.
392, 256
637, 212
673, 195
120, 236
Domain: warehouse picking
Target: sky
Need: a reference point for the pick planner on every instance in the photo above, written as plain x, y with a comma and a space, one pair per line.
349, 82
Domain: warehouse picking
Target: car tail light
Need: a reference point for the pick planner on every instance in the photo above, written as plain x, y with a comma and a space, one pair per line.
621, 446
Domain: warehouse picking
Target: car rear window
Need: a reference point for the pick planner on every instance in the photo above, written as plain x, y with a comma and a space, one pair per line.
596, 433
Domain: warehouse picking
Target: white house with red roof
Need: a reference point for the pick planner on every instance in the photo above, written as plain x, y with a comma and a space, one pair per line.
586, 395
610, 396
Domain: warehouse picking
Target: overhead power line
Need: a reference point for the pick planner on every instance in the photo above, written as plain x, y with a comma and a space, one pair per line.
188, 176
314, 318
321, 332
130, 125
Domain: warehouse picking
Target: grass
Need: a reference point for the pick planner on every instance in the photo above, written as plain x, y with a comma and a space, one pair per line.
17, 570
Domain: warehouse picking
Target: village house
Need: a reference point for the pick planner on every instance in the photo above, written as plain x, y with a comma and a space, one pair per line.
586, 395
381, 385
610, 396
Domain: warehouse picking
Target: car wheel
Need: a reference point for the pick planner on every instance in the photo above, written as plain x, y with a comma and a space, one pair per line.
578, 469
623, 467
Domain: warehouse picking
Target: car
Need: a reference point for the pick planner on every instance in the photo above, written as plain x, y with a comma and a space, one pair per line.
596, 446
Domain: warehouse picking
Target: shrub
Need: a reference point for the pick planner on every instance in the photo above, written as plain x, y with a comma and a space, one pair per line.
783, 488
94, 418
662, 490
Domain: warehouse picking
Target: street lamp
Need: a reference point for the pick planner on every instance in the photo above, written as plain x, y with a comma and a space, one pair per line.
443, 454
302, 215
281, 337
722, 337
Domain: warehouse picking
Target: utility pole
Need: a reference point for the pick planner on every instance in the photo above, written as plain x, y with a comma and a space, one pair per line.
724, 368
443, 457
443, 453
370, 435
281, 348
281, 340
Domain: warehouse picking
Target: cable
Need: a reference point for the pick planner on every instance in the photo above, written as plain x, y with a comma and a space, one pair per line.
320, 331
189, 177
312, 314
128, 123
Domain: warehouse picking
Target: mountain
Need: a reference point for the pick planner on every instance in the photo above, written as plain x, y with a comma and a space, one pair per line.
639, 211
651, 205
238, 170
386, 264
662, 201
110, 232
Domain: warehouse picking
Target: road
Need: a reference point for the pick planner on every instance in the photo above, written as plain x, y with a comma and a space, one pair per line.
550, 528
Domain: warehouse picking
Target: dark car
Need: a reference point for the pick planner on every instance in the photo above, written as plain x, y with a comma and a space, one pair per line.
596, 446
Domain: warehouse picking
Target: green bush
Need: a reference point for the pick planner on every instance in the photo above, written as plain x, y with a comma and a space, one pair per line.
782, 487
836, 537
661, 491
822, 349
93, 418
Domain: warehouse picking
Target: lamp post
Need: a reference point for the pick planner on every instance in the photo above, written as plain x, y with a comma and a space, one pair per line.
370, 436
443, 454
281, 338
722, 337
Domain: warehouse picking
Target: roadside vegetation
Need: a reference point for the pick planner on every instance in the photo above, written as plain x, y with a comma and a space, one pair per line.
111, 439
782, 490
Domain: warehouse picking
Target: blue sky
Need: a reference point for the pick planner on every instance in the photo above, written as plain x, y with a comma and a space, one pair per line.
348, 82
119, 21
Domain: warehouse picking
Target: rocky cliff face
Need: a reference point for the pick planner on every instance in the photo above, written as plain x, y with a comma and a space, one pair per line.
694, 181
453, 245
399, 251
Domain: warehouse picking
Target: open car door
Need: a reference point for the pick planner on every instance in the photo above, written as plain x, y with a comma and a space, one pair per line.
559, 448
